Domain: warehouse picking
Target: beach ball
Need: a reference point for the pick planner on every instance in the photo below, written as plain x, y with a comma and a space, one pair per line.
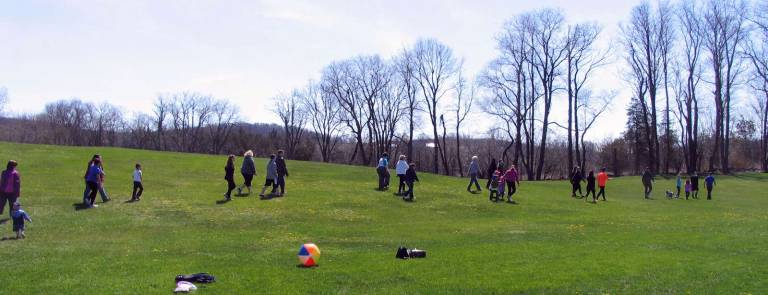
309, 254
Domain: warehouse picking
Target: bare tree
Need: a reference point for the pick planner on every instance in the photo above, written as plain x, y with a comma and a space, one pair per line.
435, 67
325, 119
464, 99
592, 108
757, 53
724, 33
406, 76
666, 18
293, 116
160, 111
338, 80
222, 121
641, 37
582, 58
688, 78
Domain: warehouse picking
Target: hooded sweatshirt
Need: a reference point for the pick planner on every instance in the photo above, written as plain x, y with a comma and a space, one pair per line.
401, 167
271, 169
10, 182
248, 166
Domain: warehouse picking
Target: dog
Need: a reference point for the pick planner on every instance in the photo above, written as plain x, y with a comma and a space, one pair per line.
670, 195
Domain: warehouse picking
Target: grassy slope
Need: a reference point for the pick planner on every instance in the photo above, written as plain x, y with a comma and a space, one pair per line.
550, 243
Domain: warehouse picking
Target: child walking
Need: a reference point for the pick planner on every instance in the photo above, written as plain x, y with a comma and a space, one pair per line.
400, 168
19, 216
591, 187
410, 178
688, 188
138, 188
679, 183
271, 175
229, 176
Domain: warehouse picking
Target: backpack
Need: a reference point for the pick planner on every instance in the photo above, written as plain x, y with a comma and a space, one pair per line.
402, 253
196, 278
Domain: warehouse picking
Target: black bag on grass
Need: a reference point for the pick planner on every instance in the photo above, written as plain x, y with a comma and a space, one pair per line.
202, 277
416, 253
402, 253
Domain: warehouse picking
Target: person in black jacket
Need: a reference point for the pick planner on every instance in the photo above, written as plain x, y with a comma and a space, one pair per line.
229, 176
576, 179
591, 186
647, 182
491, 169
410, 178
248, 170
695, 185
282, 172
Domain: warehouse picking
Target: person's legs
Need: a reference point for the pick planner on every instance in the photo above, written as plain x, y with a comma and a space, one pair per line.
492, 194
601, 193
86, 193
573, 190
401, 183
678, 192
281, 183
141, 190
488, 184
386, 178
230, 186
248, 182
103, 193
94, 189
135, 188
409, 193
3, 200
709, 193
592, 191
686, 195
477, 184
511, 188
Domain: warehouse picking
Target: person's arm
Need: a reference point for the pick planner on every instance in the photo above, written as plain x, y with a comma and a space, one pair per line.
26, 217
17, 185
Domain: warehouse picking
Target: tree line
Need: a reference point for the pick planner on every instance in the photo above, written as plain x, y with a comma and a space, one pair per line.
696, 72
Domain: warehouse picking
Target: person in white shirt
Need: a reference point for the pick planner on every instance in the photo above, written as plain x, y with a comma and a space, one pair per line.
400, 169
138, 188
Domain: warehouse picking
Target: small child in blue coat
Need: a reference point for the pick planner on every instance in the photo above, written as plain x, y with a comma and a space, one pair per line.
19, 217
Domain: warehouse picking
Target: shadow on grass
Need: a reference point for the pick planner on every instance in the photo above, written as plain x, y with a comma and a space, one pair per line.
3, 239
4, 220
80, 206
221, 202
307, 267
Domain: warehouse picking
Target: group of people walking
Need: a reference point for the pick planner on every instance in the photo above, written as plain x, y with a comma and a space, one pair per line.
276, 172
406, 174
691, 185
94, 182
577, 177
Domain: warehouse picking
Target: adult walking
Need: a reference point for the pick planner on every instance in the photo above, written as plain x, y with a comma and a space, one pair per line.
709, 182
282, 173
489, 172
602, 180
512, 179
400, 169
383, 172
92, 179
248, 170
229, 176
591, 187
647, 182
576, 179
10, 186
695, 185
474, 170
679, 183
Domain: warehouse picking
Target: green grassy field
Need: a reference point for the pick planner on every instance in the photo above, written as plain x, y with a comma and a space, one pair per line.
549, 243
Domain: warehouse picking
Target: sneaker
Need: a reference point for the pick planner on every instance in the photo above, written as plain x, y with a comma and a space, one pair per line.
107, 200
94, 206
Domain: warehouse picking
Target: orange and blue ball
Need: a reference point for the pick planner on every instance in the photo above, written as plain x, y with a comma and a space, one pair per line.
309, 254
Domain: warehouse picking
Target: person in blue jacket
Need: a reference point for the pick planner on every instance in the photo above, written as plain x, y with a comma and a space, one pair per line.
383, 172
709, 182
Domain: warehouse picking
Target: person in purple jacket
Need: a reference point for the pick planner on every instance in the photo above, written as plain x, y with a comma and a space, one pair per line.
10, 186
512, 178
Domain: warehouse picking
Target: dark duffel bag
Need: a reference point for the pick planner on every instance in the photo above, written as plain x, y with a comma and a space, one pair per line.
197, 278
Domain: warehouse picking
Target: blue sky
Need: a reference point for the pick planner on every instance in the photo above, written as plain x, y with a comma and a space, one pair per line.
128, 52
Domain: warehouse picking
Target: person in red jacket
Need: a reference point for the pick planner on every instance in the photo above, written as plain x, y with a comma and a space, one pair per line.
10, 186
512, 179
602, 179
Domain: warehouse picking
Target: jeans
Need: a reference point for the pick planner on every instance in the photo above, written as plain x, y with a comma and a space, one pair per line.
137, 186
87, 193
511, 189
7, 198
383, 177
279, 182
591, 190
230, 186
709, 192
401, 185
473, 179
409, 193
576, 187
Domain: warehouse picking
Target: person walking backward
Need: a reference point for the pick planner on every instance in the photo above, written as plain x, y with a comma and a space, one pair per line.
10, 186
695, 185
512, 179
400, 169
229, 176
138, 187
282, 173
474, 170
591, 186
576, 179
491, 169
271, 175
647, 182
248, 170
383, 172
602, 180
709, 182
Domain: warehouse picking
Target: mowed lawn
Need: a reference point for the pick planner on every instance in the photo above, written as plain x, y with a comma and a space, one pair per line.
549, 243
